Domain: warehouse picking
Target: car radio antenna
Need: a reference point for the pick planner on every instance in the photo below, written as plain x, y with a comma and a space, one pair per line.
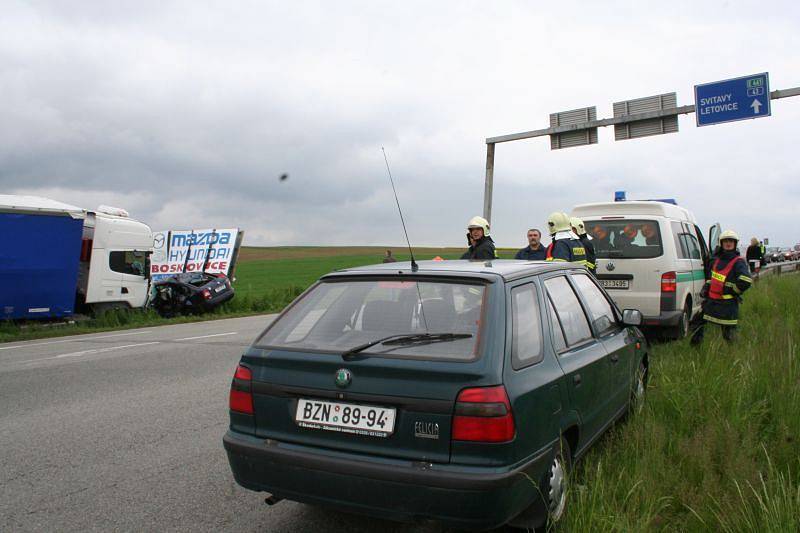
414, 266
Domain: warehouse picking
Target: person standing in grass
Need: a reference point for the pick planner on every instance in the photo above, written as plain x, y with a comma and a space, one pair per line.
755, 255
722, 293
389, 258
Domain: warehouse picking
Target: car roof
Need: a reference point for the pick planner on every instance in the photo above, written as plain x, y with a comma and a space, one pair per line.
506, 269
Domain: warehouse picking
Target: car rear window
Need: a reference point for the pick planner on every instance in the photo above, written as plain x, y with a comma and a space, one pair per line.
625, 239
337, 316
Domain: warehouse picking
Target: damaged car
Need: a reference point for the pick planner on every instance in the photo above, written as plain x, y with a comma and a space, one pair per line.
190, 293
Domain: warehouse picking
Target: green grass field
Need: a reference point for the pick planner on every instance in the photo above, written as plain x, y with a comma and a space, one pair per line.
717, 445
715, 448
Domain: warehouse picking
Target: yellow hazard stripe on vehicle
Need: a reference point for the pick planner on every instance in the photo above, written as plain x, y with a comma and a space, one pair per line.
720, 321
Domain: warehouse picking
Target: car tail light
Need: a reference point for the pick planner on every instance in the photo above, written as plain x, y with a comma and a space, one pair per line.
669, 282
483, 414
241, 398
206, 294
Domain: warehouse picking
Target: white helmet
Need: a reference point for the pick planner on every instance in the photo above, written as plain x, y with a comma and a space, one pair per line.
729, 234
558, 221
577, 225
479, 222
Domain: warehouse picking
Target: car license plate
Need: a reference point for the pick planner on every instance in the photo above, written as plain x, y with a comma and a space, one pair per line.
345, 417
615, 283
219, 289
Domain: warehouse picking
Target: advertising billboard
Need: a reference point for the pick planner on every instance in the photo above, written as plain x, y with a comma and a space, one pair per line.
196, 250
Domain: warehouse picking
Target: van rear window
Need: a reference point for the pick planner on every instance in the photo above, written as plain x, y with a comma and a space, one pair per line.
625, 239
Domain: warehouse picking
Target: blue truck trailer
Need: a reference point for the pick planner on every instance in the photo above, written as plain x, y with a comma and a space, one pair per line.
39, 258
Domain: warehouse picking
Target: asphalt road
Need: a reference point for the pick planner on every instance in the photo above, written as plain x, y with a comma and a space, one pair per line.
122, 431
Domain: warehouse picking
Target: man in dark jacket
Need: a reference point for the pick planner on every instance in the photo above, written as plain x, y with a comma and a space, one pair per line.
580, 230
755, 255
535, 251
481, 245
730, 277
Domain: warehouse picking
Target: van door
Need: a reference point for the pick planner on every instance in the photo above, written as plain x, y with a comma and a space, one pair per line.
713, 238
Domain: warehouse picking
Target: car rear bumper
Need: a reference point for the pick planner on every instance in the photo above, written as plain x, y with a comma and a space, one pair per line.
464, 497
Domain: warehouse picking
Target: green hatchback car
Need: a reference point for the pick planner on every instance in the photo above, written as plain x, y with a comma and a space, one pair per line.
460, 392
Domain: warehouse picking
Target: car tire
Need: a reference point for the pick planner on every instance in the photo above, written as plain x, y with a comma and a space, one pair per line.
548, 511
639, 389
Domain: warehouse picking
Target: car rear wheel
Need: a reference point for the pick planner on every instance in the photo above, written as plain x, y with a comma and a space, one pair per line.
639, 389
549, 510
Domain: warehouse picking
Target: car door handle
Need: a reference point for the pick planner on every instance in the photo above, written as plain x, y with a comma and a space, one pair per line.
576, 379
614, 358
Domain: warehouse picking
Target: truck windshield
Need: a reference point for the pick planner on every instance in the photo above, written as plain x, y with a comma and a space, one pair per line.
335, 316
625, 239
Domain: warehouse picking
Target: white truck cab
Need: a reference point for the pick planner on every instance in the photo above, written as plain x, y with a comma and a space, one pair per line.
114, 270
651, 256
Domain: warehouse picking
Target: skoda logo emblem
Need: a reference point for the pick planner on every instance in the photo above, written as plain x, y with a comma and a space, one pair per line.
610, 266
343, 378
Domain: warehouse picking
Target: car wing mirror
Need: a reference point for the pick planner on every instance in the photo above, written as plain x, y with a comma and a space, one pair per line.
632, 317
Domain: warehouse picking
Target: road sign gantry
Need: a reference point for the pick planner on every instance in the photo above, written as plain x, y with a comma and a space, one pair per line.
751, 95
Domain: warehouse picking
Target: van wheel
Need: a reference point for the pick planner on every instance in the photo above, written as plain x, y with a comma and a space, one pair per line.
682, 329
549, 509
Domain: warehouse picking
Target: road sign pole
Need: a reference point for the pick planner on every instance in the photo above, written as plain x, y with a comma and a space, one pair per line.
487, 190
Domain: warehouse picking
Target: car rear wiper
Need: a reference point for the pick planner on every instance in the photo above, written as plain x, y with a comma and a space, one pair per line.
406, 339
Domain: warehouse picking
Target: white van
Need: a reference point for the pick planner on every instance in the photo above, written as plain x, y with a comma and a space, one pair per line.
651, 256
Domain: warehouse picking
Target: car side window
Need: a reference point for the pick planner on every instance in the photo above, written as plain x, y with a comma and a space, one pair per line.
600, 310
526, 327
559, 343
569, 310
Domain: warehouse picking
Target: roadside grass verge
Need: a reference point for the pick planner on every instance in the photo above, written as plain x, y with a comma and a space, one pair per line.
717, 444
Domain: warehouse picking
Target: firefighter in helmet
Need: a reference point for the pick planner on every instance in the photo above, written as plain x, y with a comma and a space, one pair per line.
580, 230
730, 277
481, 245
564, 245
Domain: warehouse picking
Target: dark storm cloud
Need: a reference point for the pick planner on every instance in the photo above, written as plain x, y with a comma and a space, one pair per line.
188, 113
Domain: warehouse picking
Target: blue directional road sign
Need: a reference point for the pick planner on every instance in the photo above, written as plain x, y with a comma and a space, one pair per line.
730, 100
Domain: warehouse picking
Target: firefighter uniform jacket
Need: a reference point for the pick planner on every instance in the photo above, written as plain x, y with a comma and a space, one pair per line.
730, 277
568, 249
482, 249
590, 255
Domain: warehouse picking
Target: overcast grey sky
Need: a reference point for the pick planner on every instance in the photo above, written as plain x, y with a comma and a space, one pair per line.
186, 113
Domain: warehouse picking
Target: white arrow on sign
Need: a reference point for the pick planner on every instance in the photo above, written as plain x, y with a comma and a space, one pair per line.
756, 105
